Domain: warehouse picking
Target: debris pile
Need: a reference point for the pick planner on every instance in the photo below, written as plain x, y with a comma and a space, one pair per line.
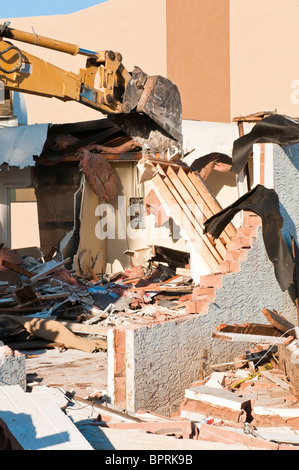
46, 301
252, 402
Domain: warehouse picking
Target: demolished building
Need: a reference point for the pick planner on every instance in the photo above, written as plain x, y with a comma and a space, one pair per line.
145, 257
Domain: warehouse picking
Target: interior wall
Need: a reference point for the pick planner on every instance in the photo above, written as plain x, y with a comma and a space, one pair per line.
10, 177
126, 237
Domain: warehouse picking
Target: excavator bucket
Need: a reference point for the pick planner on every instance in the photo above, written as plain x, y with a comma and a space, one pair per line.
156, 121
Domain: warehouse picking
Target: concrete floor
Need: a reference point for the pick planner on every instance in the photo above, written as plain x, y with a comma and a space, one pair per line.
85, 373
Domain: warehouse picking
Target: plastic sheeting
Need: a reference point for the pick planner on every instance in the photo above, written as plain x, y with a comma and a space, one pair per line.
275, 129
265, 203
20, 144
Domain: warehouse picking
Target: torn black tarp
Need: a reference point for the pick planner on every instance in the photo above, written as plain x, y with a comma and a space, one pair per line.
276, 129
265, 203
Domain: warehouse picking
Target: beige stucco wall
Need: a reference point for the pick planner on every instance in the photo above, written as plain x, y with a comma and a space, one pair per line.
136, 28
264, 36
198, 57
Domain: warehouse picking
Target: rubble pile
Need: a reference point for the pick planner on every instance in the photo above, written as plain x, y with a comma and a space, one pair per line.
248, 403
49, 291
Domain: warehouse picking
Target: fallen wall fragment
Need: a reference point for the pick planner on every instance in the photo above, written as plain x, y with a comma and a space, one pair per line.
33, 421
12, 367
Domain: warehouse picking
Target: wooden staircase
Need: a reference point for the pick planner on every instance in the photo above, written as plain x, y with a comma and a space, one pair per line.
181, 190
188, 201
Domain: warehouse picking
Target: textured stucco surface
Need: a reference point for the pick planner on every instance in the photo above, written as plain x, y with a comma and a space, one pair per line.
286, 184
166, 358
169, 356
12, 367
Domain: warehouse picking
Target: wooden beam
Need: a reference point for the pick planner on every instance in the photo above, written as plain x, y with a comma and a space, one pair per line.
240, 337
217, 246
165, 194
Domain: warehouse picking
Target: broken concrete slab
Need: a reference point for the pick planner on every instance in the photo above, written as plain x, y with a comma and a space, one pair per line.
34, 422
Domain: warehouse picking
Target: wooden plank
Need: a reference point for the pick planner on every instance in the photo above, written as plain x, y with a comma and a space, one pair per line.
241, 337
277, 380
199, 198
211, 201
279, 322
16, 268
169, 199
192, 217
48, 270
187, 202
83, 328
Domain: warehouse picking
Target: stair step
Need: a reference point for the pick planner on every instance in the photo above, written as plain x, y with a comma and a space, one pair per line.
239, 243
197, 306
230, 266
211, 280
236, 255
203, 293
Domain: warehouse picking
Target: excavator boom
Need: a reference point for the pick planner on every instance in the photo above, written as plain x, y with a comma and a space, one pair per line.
147, 108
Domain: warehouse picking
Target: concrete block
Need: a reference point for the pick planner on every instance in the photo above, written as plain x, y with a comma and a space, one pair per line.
12, 367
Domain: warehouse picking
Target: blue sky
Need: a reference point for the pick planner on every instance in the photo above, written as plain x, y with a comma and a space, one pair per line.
21, 8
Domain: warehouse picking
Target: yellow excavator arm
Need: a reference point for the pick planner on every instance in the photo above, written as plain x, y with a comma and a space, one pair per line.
147, 108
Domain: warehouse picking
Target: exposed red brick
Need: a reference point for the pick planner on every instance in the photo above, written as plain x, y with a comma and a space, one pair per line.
219, 434
236, 255
206, 409
203, 293
120, 367
239, 243
247, 232
250, 219
181, 428
211, 280
197, 306
230, 266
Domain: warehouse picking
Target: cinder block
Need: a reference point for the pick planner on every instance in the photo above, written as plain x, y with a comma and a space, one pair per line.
12, 367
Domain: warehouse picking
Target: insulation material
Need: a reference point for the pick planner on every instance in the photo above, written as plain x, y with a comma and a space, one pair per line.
99, 173
54, 331
20, 144
92, 250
